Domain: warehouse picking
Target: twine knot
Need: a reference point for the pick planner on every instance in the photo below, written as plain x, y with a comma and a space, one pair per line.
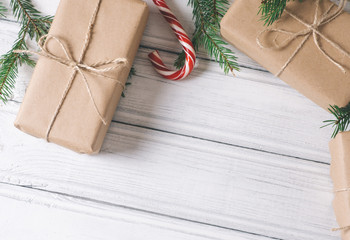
314, 27
311, 30
73, 65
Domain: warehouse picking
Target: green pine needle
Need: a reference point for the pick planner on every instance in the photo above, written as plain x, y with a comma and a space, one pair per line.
3, 10
207, 15
131, 74
180, 60
33, 25
26, 13
341, 121
271, 10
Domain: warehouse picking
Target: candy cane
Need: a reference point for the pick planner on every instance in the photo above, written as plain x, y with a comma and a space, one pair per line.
183, 39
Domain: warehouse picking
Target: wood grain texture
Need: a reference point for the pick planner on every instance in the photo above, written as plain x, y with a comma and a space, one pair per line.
55, 216
211, 157
187, 178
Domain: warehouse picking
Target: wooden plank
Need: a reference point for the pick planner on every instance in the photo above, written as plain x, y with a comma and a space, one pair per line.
52, 216
217, 184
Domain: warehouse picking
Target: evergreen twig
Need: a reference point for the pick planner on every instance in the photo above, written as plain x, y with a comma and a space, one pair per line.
207, 15
33, 25
271, 10
131, 73
341, 121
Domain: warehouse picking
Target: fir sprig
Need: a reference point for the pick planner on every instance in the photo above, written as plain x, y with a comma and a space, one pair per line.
3, 10
271, 10
207, 15
341, 121
33, 25
26, 13
9, 65
131, 74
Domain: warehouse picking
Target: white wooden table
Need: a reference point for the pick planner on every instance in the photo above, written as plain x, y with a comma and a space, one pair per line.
211, 157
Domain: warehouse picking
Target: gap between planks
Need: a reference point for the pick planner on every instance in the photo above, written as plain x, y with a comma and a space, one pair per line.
218, 142
89, 201
39, 203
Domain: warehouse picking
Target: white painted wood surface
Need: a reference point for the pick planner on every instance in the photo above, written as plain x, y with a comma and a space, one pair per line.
211, 157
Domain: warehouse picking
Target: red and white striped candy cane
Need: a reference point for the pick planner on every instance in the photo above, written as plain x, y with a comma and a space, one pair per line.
183, 39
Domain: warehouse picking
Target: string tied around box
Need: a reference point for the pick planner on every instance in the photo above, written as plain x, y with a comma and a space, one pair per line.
310, 30
344, 227
78, 67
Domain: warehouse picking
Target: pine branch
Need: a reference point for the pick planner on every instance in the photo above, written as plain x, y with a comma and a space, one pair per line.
25, 12
341, 121
207, 15
271, 10
131, 73
9, 65
33, 25
3, 10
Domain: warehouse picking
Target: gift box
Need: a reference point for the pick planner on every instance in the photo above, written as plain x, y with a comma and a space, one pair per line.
340, 174
312, 58
79, 78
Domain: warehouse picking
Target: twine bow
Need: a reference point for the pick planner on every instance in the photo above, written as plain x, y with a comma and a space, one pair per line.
78, 66
310, 30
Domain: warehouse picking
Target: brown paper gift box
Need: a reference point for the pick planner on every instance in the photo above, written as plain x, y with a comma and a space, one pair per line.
340, 174
310, 72
116, 34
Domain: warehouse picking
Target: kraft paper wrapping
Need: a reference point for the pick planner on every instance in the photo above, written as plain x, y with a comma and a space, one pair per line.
340, 174
116, 34
310, 72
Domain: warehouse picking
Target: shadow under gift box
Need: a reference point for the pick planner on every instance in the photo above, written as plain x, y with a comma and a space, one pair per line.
117, 33
309, 72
